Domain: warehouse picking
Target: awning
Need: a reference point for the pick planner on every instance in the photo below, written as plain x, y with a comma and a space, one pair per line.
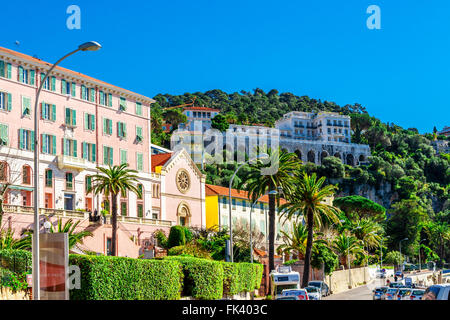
21, 188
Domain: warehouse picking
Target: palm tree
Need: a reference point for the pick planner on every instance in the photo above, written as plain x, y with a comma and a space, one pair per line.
345, 245
308, 200
295, 241
111, 182
7, 240
261, 181
69, 227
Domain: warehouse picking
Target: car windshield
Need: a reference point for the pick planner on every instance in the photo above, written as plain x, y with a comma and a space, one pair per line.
433, 290
418, 292
286, 286
403, 291
314, 284
312, 289
293, 293
379, 290
391, 291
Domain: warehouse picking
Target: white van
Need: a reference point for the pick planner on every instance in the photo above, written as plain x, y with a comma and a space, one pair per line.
283, 278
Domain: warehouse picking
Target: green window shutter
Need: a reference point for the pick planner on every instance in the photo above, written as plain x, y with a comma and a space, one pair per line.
9, 103
4, 133
32, 140
110, 99
139, 108
67, 121
65, 151
139, 131
83, 91
21, 139
53, 112
75, 148
74, 117
104, 125
124, 129
111, 157
53, 145
86, 121
32, 75
92, 95
93, 150
8, 67
63, 86
43, 143
84, 153
139, 162
102, 97
74, 87
2, 68
92, 121
123, 156
105, 155
110, 126
53, 83
20, 74
42, 76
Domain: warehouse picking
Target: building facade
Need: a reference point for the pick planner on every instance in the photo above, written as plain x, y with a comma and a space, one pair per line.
198, 114
444, 132
314, 136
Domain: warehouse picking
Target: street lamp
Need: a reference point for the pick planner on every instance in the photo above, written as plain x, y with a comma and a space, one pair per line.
88, 46
420, 265
400, 245
251, 209
264, 155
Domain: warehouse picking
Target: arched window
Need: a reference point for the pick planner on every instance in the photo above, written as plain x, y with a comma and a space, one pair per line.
311, 156
350, 159
323, 155
183, 214
26, 174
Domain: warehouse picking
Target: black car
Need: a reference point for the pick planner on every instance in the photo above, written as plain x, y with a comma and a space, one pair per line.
324, 289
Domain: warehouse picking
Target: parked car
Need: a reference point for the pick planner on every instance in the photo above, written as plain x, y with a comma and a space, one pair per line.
416, 294
324, 289
398, 284
300, 293
398, 273
379, 293
381, 274
391, 294
403, 294
313, 293
437, 292
288, 298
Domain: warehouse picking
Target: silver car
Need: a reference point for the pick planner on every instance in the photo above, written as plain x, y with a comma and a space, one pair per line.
391, 294
379, 293
313, 293
416, 294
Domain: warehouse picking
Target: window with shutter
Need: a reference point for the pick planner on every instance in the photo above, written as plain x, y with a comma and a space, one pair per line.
139, 108
4, 139
123, 156
74, 86
140, 161
123, 104
53, 88
26, 106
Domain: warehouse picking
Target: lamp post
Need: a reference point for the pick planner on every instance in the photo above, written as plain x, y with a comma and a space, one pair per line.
88, 46
229, 195
400, 245
420, 265
251, 209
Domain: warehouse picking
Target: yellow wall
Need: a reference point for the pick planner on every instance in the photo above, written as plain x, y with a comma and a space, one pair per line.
212, 211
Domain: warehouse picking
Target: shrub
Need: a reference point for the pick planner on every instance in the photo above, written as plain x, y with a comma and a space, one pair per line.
177, 236
18, 261
12, 280
241, 277
189, 249
203, 279
119, 278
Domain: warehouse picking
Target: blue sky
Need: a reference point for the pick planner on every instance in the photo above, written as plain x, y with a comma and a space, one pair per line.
319, 48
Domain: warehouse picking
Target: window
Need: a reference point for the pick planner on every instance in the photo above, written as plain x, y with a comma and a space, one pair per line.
105, 205
66, 87
48, 111
139, 136
89, 121
71, 117
107, 155
48, 178
155, 215
155, 193
70, 147
69, 180
4, 137
244, 205
5, 69
5, 101
87, 94
48, 144
139, 108
26, 139
89, 151
140, 210
107, 126
123, 208
123, 104
123, 156
224, 202
26, 106
140, 161
87, 183
233, 202
26, 76
105, 99
121, 130
109, 247
141, 189
46, 83
26, 175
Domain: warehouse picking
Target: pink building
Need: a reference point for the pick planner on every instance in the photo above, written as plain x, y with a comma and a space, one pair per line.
85, 123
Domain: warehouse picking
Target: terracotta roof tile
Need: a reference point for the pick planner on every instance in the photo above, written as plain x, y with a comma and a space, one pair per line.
160, 159
201, 109
212, 190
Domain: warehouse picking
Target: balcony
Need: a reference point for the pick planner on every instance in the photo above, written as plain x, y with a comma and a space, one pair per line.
138, 220
72, 163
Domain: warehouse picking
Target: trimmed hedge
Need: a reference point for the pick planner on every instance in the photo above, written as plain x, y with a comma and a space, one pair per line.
203, 279
241, 277
18, 261
119, 278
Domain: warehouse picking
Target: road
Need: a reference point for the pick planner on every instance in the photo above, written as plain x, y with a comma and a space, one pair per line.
361, 293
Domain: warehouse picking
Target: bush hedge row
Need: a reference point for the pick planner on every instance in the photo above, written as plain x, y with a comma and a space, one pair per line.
18, 261
241, 277
119, 278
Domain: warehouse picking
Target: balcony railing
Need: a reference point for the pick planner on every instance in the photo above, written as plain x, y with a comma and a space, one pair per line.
138, 220
68, 162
